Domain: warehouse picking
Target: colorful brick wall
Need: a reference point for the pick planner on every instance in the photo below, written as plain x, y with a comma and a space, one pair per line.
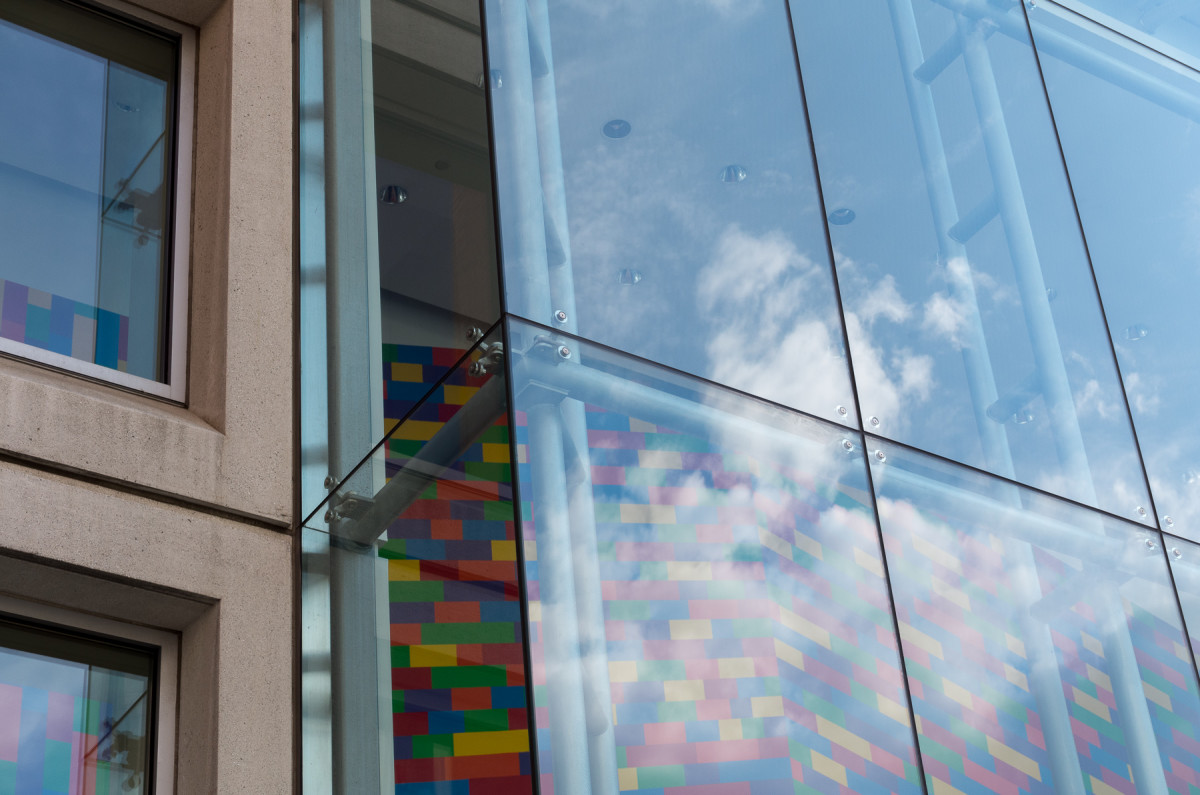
750, 646
58, 324
458, 675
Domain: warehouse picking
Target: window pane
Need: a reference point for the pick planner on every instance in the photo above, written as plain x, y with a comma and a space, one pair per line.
656, 187
75, 714
1043, 640
1128, 119
1169, 26
707, 603
86, 144
974, 324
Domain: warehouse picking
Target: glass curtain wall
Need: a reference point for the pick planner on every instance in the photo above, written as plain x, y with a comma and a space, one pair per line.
825, 431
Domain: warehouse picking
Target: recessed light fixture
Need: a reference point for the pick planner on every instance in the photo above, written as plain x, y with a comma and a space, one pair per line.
392, 194
733, 173
617, 128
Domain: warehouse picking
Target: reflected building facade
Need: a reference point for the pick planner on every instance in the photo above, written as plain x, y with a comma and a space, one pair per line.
751, 398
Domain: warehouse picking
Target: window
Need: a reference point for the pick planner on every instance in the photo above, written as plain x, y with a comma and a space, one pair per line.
82, 711
93, 192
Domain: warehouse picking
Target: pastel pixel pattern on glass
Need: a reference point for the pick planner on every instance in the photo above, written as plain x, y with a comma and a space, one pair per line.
459, 715
749, 640
970, 659
58, 324
58, 743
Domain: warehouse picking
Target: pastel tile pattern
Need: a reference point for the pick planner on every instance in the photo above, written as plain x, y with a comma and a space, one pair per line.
750, 645
71, 328
460, 723
967, 659
54, 742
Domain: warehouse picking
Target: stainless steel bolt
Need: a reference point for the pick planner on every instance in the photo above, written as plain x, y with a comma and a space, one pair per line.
848, 445
474, 333
874, 421
1141, 511
1168, 521
880, 456
477, 369
841, 410
564, 352
330, 481
1175, 553
560, 316
1150, 544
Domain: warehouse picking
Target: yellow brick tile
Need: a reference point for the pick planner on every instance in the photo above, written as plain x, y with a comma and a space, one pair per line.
957, 692
530, 550
684, 690
943, 788
798, 623
951, 594
699, 571
535, 612
513, 741
504, 550
789, 655
1014, 758
1015, 645
865, 561
731, 729
641, 426
439, 656
623, 671
1092, 644
660, 459
494, 453
828, 768
775, 544
767, 706
522, 454
405, 371
1100, 788
735, 667
808, 544
892, 709
848, 740
910, 634
937, 554
1091, 704
1158, 697
1181, 651
1016, 677
458, 395
691, 629
417, 430
627, 778
647, 514
404, 570
1099, 678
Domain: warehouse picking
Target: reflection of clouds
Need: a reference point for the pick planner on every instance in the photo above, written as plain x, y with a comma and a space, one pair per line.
765, 342
727, 9
1143, 396
1091, 399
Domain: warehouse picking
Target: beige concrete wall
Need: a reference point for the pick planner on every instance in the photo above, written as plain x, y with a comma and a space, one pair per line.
178, 517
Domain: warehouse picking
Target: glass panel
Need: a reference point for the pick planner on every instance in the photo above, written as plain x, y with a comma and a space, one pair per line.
1185, 567
1042, 640
973, 320
86, 147
397, 239
653, 174
1169, 26
75, 714
1127, 118
414, 673
707, 601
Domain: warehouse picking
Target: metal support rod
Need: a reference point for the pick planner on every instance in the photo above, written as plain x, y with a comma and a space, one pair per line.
556, 590
1133, 713
1043, 334
976, 360
448, 445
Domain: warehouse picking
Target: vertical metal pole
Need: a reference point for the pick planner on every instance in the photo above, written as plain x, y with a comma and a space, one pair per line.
1047, 352
359, 675
556, 584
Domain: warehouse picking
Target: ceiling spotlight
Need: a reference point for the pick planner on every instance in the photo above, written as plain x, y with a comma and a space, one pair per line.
392, 194
617, 128
733, 173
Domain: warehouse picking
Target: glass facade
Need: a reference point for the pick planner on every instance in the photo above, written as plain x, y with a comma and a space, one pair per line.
824, 428
87, 184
